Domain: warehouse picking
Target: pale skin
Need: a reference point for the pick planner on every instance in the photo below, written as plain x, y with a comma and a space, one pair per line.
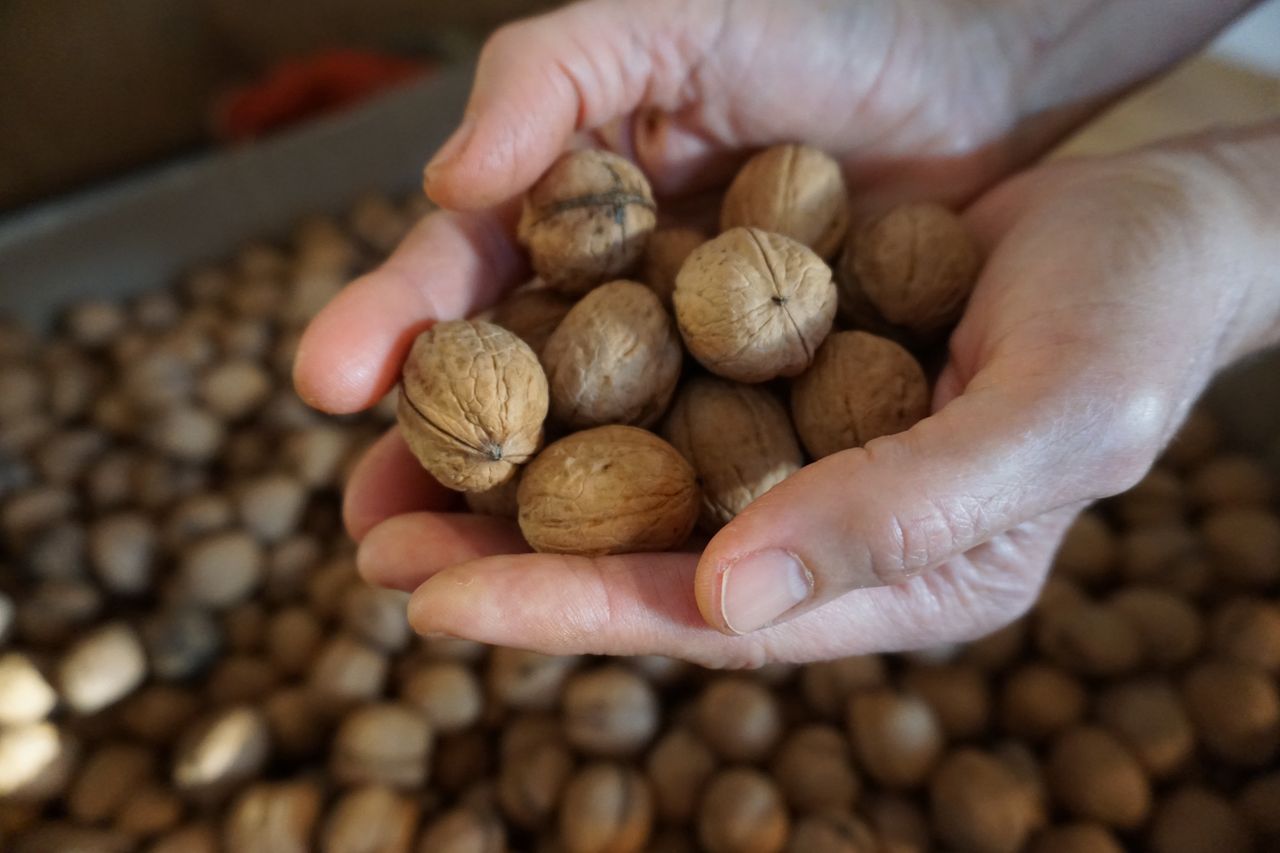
1114, 290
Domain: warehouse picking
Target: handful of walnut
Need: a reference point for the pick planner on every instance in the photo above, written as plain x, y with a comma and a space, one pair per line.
788, 356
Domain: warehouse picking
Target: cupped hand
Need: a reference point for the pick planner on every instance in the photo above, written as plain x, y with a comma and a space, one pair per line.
1103, 310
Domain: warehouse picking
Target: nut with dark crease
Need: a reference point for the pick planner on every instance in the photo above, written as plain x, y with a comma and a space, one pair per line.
587, 220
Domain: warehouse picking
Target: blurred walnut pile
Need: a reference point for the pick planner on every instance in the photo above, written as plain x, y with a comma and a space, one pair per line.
585, 353
189, 662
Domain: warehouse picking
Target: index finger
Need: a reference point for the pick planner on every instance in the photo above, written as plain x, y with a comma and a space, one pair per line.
449, 266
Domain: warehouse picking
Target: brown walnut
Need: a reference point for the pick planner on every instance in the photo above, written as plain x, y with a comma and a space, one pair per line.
533, 313
738, 438
860, 387
793, 190
615, 358
916, 264
586, 220
609, 490
753, 305
667, 251
472, 402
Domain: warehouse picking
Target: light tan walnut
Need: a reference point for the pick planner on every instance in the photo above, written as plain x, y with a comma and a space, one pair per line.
587, 220
739, 440
753, 306
472, 402
859, 388
533, 314
667, 251
615, 358
916, 264
609, 490
794, 190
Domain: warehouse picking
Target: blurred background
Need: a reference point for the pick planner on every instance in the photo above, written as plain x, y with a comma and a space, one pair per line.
92, 90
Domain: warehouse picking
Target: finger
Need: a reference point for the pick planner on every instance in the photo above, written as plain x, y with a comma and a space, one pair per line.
404, 551
448, 267
541, 80
644, 604
388, 481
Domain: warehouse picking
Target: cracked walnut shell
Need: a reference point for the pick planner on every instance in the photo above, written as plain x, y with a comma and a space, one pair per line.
917, 264
472, 402
859, 388
738, 438
586, 220
608, 490
615, 358
793, 190
753, 306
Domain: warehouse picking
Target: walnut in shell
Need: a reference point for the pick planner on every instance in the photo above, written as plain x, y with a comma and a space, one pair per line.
533, 314
586, 220
753, 306
615, 358
738, 438
609, 490
859, 388
916, 264
794, 190
472, 401
667, 251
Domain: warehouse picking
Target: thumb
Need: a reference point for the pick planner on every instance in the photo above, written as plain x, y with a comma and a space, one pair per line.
539, 81
999, 454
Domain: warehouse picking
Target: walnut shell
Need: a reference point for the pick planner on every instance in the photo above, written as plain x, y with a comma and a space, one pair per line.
533, 313
609, 490
738, 438
916, 264
667, 251
793, 190
860, 387
615, 358
586, 220
472, 401
753, 305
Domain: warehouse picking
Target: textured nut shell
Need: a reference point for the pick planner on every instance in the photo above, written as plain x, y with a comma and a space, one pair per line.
472, 401
614, 359
609, 490
792, 190
739, 440
860, 387
667, 251
753, 305
586, 220
917, 265
533, 314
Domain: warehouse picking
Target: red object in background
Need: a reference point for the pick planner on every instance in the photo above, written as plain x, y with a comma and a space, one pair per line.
313, 85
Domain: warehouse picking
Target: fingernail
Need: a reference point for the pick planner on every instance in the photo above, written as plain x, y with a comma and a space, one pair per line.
452, 147
760, 587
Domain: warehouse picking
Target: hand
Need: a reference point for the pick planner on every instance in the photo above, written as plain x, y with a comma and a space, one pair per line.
964, 510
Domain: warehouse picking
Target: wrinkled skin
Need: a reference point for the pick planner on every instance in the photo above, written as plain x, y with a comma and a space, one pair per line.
1113, 290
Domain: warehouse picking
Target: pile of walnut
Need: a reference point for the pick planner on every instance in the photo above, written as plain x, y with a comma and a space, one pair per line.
597, 359
190, 664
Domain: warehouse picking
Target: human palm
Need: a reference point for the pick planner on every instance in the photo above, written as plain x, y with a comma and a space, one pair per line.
1050, 396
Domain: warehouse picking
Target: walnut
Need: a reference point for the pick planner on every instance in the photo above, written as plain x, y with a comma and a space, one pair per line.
738, 438
979, 804
609, 490
753, 305
586, 220
917, 264
667, 251
860, 387
615, 358
792, 190
533, 313
472, 401
1093, 777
